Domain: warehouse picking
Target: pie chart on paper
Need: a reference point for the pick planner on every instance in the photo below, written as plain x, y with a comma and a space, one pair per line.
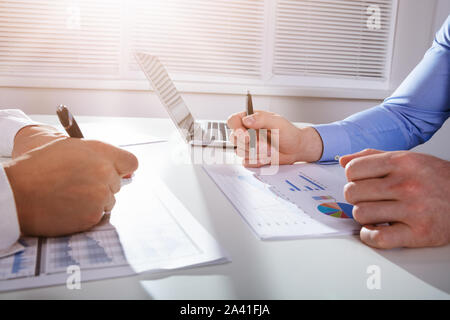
337, 209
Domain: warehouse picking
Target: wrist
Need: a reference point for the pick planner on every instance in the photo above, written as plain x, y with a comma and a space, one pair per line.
32, 137
311, 145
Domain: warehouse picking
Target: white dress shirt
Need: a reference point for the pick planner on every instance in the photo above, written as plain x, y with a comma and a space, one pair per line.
11, 121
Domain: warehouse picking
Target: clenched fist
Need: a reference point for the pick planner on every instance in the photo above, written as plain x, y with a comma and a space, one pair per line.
66, 185
409, 191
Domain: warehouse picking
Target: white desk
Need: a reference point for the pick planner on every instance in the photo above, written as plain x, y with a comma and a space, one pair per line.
315, 268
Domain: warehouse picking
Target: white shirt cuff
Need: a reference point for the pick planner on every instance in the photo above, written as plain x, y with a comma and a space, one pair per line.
11, 121
9, 223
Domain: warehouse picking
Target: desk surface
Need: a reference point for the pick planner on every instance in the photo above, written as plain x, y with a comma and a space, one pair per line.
323, 268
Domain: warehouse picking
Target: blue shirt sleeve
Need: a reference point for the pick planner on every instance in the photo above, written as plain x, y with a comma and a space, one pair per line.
414, 112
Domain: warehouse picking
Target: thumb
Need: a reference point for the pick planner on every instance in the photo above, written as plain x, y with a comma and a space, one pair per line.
366, 152
125, 162
264, 120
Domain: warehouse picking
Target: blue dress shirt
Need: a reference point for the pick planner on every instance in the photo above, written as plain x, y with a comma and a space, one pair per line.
414, 112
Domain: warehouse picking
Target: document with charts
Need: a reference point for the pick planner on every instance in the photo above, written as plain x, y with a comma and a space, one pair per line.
300, 200
149, 230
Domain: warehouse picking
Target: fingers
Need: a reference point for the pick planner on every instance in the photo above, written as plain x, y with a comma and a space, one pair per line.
259, 162
124, 162
240, 122
369, 165
115, 184
370, 190
379, 212
240, 137
234, 122
110, 204
264, 120
262, 146
366, 152
387, 237
262, 155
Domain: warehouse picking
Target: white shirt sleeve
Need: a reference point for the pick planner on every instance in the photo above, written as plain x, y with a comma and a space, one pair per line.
9, 224
11, 121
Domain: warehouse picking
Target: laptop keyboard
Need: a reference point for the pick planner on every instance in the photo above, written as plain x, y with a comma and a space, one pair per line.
216, 131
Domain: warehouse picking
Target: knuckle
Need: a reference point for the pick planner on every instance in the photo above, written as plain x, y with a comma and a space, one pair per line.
112, 203
424, 227
369, 150
407, 188
349, 192
115, 187
359, 213
350, 169
404, 159
101, 194
258, 116
235, 120
230, 121
379, 239
92, 218
239, 133
96, 144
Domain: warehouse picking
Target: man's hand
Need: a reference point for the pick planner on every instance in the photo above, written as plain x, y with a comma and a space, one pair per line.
31, 137
408, 190
65, 186
292, 144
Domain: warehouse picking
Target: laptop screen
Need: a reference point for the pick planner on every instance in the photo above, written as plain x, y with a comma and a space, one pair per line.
157, 74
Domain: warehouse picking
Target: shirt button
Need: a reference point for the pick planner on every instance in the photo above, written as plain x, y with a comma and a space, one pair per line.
336, 157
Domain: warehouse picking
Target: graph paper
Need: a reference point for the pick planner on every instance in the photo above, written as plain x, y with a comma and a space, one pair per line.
21, 264
149, 230
288, 204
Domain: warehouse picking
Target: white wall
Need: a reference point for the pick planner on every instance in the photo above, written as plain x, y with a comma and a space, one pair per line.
416, 24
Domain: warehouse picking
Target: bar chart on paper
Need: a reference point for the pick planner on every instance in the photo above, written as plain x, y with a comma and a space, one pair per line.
21, 264
310, 187
298, 201
150, 235
92, 249
306, 184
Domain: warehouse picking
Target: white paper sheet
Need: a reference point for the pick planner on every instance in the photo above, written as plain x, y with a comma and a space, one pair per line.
115, 135
149, 230
301, 200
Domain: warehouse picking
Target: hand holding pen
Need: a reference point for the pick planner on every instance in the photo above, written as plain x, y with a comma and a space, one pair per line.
65, 185
69, 124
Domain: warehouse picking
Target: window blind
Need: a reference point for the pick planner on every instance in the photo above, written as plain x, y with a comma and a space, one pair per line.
60, 38
220, 37
332, 38
266, 43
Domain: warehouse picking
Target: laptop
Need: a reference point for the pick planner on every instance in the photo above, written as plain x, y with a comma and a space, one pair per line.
195, 132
